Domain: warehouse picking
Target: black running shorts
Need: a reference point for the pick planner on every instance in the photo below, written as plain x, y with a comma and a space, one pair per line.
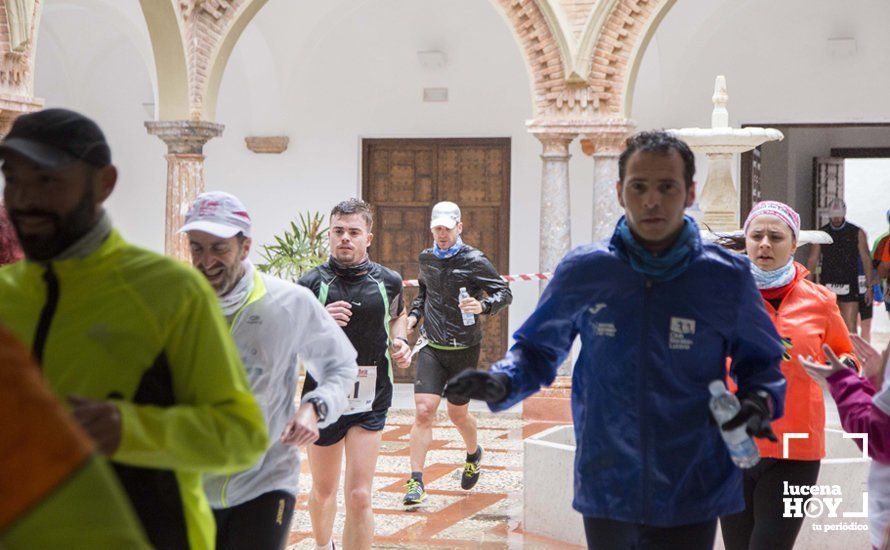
373, 421
262, 523
436, 366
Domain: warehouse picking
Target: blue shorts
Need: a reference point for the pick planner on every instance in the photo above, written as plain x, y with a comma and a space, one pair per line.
373, 421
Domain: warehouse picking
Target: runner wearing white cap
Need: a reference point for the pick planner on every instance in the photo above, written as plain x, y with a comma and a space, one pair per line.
451, 337
273, 322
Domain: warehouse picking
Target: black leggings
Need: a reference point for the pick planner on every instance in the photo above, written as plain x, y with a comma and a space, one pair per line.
761, 524
262, 523
608, 534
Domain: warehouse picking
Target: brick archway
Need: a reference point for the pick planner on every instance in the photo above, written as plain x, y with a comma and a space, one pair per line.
192, 41
583, 57
541, 48
618, 51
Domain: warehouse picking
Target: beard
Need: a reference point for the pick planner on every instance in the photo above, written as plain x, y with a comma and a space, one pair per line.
231, 276
68, 228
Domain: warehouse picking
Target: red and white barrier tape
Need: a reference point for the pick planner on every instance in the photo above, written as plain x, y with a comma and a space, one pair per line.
507, 278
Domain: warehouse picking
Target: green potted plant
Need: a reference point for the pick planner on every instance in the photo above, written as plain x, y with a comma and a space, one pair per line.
298, 249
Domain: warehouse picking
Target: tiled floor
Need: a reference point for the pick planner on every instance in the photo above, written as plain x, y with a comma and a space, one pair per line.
488, 517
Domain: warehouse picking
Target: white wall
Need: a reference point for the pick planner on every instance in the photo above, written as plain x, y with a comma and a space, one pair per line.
328, 77
776, 60
326, 74
329, 73
94, 56
788, 166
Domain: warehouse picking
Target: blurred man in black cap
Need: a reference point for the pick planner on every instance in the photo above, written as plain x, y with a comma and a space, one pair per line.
134, 341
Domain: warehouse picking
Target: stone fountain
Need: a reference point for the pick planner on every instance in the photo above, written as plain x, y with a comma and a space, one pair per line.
719, 198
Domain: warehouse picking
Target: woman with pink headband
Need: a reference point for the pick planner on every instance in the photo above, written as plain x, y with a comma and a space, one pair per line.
806, 316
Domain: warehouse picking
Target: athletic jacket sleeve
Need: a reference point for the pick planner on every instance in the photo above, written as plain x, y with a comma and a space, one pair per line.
328, 355
543, 342
756, 348
836, 334
861, 412
420, 301
499, 294
216, 424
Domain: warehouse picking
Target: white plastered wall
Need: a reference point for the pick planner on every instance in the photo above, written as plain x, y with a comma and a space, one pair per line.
326, 74
94, 56
777, 62
328, 77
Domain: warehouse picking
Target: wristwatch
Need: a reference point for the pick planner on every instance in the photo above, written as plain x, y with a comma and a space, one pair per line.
321, 408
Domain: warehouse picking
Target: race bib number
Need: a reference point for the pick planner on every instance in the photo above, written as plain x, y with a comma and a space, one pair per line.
363, 390
863, 286
840, 290
419, 345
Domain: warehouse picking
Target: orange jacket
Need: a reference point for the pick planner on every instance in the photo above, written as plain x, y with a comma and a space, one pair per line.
807, 318
40, 445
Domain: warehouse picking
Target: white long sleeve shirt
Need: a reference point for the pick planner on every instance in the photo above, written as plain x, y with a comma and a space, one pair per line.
280, 324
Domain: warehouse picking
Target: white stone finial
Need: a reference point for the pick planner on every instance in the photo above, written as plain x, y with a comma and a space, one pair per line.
720, 116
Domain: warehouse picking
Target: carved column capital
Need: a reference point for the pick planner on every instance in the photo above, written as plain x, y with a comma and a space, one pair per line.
607, 136
184, 137
556, 145
185, 141
12, 107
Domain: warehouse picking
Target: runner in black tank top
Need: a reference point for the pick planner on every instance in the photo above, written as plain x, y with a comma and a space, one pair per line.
365, 299
840, 271
840, 263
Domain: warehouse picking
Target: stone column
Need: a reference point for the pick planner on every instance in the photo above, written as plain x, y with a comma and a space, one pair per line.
19, 23
556, 215
605, 143
185, 173
12, 107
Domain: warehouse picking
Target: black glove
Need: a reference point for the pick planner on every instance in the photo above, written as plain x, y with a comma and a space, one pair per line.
754, 415
474, 384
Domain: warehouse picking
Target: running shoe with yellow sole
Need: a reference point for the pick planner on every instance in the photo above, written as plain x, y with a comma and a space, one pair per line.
415, 494
471, 472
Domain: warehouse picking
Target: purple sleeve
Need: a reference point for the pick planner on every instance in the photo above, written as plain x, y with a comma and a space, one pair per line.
859, 414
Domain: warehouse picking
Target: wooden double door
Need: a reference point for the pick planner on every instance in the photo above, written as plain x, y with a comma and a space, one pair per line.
403, 178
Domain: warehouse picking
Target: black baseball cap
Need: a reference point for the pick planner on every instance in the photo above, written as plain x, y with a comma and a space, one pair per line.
55, 138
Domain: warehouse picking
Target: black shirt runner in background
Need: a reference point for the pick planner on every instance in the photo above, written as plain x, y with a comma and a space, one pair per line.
840, 272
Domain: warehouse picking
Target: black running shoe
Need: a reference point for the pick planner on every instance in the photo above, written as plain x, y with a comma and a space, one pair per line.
471, 472
415, 495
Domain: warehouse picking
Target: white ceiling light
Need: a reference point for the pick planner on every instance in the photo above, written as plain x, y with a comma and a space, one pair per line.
432, 59
435, 95
841, 47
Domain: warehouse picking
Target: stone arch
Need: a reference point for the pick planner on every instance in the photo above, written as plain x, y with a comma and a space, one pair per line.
137, 36
229, 29
171, 64
618, 51
543, 45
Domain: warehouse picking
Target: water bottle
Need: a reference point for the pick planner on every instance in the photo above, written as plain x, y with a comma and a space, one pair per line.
469, 318
725, 406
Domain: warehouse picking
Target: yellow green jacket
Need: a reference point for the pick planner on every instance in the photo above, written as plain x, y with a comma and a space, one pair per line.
128, 325
54, 491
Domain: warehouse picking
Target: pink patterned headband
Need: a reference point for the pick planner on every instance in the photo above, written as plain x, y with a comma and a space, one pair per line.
777, 209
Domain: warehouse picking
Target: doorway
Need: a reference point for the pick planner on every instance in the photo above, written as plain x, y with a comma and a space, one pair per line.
403, 178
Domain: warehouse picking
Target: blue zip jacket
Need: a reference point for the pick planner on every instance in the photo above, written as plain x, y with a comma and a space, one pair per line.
648, 450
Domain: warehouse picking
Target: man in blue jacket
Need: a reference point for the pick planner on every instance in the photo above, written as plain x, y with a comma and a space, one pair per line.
658, 313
